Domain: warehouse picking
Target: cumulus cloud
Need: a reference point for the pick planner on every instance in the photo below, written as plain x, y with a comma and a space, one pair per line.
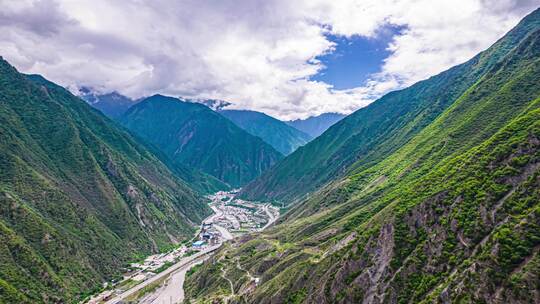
257, 54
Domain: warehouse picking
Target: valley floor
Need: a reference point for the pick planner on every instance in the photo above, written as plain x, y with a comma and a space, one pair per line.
160, 279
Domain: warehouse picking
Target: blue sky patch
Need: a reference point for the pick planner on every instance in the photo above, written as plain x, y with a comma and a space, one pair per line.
355, 58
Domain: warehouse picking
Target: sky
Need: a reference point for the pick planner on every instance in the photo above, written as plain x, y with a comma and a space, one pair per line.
354, 59
288, 58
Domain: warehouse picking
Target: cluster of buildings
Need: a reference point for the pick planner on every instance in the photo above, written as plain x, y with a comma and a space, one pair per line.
237, 215
153, 262
207, 236
240, 218
231, 216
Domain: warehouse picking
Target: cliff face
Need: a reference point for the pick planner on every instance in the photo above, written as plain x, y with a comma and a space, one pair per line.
452, 215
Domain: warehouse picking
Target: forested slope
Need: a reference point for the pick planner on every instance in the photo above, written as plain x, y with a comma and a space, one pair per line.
79, 197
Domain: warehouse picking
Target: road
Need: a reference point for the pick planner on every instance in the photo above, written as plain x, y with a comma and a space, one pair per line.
271, 218
211, 218
225, 234
172, 292
200, 256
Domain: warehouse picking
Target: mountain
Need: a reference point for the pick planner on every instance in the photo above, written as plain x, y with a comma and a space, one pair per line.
195, 179
316, 125
195, 136
450, 215
278, 134
79, 196
214, 104
112, 104
372, 133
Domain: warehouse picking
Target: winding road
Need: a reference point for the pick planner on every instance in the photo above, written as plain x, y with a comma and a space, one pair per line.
271, 218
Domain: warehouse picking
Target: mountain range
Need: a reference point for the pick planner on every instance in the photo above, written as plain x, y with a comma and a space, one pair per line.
193, 135
428, 195
278, 134
284, 136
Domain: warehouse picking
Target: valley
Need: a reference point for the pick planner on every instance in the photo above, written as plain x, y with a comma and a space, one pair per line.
159, 278
240, 167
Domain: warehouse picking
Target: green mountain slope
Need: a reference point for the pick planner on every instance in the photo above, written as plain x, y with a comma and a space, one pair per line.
195, 136
278, 134
374, 132
79, 197
316, 125
194, 178
451, 216
114, 105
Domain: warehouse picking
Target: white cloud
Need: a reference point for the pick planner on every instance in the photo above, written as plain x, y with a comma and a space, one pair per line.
258, 54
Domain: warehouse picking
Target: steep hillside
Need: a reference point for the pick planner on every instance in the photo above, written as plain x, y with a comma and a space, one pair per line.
278, 134
194, 178
316, 125
451, 216
79, 197
371, 134
195, 136
112, 104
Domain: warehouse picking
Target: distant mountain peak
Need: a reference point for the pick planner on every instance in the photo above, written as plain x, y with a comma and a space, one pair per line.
88, 94
112, 104
214, 104
278, 134
316, 125
163, 97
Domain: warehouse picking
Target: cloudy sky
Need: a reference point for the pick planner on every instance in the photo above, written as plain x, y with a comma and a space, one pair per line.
288, 58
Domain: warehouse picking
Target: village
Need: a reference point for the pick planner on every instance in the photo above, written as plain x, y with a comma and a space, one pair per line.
239, 216
232, 217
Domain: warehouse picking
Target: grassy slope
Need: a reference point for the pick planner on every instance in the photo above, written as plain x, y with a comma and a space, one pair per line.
193, 135
278, 134
451, 215
371, 134
79, 197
